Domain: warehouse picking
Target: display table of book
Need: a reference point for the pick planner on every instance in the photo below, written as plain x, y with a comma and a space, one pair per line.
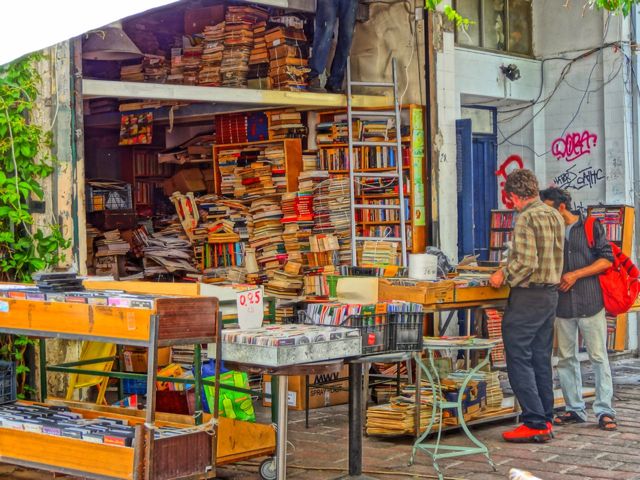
90, 441
457, 402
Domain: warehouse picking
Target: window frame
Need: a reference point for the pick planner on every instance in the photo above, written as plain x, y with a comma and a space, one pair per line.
507, 32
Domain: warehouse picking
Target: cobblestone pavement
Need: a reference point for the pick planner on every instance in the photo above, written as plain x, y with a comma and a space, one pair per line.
579, 452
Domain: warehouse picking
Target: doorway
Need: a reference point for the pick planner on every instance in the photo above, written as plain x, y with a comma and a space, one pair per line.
476, 159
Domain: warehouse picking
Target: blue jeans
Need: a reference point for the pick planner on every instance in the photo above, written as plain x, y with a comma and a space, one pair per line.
327, 14
594, 333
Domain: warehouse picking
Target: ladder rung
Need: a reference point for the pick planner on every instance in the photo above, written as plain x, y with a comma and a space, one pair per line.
372, 84
374, 113
376, 206
375, 144
389, 239
375, 175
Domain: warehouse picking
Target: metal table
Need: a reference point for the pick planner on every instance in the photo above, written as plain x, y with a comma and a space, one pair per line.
435, 449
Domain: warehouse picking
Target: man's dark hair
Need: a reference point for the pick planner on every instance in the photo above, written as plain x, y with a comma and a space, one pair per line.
557, 195
522, 183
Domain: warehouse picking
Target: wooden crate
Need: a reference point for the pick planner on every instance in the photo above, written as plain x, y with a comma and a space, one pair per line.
426, 293
474, 294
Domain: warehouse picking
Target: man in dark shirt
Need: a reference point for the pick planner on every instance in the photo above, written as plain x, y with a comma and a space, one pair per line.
581, 308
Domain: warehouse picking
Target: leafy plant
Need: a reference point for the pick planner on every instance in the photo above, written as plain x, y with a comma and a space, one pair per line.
614, 6
452, 15
25, 161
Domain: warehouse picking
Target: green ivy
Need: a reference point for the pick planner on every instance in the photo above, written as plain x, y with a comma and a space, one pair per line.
25, 161
615, 6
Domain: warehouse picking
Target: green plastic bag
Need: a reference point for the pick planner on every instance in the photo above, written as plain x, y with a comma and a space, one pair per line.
235, 405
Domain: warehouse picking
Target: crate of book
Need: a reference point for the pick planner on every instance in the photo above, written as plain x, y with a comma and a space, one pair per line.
406, 330
8, 391
374, 331
425, 293
108, 195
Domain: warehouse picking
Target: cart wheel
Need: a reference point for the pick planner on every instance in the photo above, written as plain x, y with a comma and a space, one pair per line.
268, 469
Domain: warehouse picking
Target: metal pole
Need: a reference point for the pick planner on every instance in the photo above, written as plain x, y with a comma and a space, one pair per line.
355, 419
403, 220
352, 178
43, 369
152, 373
197, 376
281, 443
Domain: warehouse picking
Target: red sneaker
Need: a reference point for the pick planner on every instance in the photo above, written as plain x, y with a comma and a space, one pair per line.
524, 434
550, 427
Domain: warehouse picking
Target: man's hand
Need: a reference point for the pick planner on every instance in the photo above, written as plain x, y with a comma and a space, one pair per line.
496, 280
568, 280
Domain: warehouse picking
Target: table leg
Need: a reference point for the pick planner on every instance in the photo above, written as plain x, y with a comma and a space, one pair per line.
281, 443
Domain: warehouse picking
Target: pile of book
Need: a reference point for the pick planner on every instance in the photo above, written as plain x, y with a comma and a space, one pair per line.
176, 69
191, 58
286, 283
132, 73
258, 76
227, 161
309, 160
333, 214
166, 252
275, 156
111, 244
379, 253
155, 68
288, 52
494, 331
238, 43
399, 416
266, 239
253, 180
211, 60
286, 124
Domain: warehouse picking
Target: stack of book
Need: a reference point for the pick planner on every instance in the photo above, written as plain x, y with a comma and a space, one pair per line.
288, 53
253, 180
176, 70
155, 68
275, 156
333, 214
494, 331
258, 76
168, 252
309, 160
238, 43
111, 244
284, 284
379, 253
191, 58
286, 124
266, 238
227, 161
132, 73
212, 55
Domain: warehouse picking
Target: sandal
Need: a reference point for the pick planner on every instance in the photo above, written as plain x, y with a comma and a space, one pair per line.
608, 423
567, 418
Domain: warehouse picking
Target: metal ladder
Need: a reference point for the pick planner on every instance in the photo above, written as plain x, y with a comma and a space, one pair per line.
398, 174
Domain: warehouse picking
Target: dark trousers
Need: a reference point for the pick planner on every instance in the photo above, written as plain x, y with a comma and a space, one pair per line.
527, 331
328, 12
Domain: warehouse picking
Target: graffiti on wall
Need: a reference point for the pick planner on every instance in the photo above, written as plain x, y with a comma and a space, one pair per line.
577, 179
512, 162
574, 145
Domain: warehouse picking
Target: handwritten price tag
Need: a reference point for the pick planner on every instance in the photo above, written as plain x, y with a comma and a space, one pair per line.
250, 308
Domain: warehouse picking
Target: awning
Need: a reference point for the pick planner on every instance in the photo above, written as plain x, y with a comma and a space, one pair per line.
27, 27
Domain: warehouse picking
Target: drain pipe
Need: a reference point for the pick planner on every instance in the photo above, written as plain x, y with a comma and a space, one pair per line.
635, 125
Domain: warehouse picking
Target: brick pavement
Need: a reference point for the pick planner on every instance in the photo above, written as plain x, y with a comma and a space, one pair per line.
579, 452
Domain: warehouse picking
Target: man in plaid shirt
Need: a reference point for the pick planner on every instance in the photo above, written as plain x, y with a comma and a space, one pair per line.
533, 272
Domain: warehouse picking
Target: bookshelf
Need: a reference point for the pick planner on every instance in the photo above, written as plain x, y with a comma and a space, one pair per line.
148, 175
501, 232
618, 221
333, 152
285, 167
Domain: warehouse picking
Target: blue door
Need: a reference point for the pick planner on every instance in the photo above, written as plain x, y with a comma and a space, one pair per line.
477, 158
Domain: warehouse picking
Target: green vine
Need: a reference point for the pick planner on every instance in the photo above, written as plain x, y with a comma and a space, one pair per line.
25, 161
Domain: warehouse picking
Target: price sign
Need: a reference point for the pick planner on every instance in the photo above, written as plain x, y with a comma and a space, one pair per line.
250, 308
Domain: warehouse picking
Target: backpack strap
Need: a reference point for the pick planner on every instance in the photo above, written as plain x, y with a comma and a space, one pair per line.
589, 229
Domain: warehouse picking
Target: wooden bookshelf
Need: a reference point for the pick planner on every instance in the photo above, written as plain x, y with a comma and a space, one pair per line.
333, 157
618, 221
148, 175
292, 156
500, 232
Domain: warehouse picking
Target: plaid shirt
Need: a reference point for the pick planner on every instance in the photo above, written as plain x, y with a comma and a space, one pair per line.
536, 255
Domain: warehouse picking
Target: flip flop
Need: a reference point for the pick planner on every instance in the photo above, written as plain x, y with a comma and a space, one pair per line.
567, 418
608, 423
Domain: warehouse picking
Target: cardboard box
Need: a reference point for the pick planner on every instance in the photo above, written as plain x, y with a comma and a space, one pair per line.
189, 180
318, 397
197, 18
168, 187
135, 359
426, 293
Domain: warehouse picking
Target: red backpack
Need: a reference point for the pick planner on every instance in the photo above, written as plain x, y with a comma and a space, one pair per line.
620, 286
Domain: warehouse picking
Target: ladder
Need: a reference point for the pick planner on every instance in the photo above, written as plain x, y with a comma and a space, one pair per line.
355, 175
